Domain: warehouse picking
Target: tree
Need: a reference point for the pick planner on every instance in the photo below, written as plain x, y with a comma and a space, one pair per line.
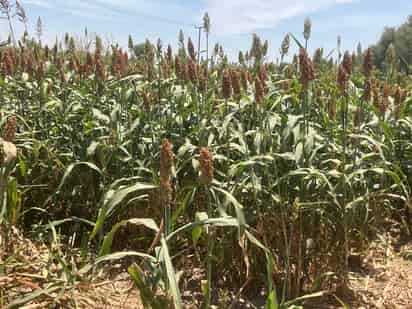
139, 50
401, 40
130, 44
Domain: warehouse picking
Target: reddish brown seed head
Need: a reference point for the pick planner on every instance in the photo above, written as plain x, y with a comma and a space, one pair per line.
368, 63
367, 91
100, 70
343, 78
192, 71
235, 75
169, 54
206, 166
166, 162
307, 71
10, 129
191, 49
259, 91
226, 85
244, 78
347, 62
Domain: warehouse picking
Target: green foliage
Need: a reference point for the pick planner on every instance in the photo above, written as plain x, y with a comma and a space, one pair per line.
267, 184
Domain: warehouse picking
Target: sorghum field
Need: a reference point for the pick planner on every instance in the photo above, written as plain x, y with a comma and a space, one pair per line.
208, 182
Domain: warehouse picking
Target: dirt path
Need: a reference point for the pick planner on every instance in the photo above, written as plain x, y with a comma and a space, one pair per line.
385, 281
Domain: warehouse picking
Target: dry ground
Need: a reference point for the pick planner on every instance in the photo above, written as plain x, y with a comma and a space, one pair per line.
382, 280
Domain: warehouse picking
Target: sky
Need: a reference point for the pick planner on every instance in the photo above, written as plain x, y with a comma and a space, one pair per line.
232, 21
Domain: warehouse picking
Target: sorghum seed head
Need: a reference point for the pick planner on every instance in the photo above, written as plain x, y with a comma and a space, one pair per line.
169, 54
192, 70
166, 162
259, 91
10, 129
342, 79
385, 99
166, 157
159, 46
202, 78
191, 49
263, 74
226, 85
206, 22
285, 45
307, 70
347, 62
8, 63
368, 63
177, 67
317, 57
256, 50
367, 91
307, 29
206, 166
100, 71
236, 84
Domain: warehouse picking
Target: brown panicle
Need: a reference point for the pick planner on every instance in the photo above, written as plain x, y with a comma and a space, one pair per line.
169, 54
259, 91
166, 162
206, 166
307, 71
368, 63
347, 62
343, 78
191, 49
235, 75
226, 85
192, 71
10, 129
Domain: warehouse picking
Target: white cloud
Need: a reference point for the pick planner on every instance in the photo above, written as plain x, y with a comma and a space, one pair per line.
240, 16
41, 3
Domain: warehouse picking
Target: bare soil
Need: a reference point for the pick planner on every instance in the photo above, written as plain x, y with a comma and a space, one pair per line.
381, 279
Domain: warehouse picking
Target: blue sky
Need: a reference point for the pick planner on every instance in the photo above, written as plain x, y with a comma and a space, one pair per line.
233, 21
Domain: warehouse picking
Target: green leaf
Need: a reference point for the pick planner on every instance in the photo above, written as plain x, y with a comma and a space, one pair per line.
116, 199
305, 297
197, 231
71, 168
238, 207
108, 239
174, 288
113, 257
271, 302
296, 40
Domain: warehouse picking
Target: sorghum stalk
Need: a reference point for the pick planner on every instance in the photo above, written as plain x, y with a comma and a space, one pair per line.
206, 27
206, 179
343, 77
307, 74
227, 94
